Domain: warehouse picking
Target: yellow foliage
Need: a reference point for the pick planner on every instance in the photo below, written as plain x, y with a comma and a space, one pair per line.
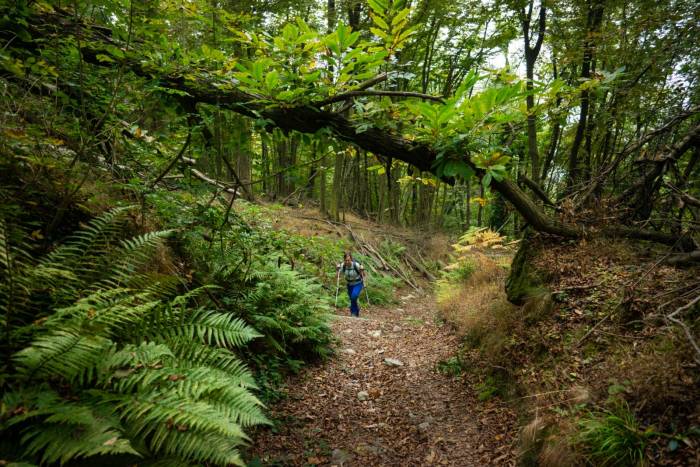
470, 244
481, 238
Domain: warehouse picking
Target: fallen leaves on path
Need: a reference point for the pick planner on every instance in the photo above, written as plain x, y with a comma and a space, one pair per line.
380, 401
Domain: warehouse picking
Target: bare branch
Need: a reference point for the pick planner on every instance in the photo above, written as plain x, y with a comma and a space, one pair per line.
175, 159
673, 318
216, 183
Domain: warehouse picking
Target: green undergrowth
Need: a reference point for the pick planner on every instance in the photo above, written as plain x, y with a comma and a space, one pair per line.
134, 335
317, 256
614, 436
128, 342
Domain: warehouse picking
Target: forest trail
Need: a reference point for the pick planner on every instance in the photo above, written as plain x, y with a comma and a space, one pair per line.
357, 410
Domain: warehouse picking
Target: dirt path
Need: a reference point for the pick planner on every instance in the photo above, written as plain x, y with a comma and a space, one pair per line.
357, 410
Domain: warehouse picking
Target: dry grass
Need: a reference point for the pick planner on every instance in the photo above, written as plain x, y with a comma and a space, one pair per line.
557, 452
532, 436
545, 442
643, 362
478, 309
469, 305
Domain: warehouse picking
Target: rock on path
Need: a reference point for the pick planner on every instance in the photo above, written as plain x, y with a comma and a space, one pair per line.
384, 403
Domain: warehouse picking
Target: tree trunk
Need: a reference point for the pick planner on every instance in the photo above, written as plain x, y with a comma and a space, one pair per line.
593, 23
531, 53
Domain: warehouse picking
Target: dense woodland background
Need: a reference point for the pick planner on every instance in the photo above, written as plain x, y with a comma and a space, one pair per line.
149, 304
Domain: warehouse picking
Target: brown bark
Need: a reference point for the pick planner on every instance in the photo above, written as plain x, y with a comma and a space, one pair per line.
531, 53
594, 20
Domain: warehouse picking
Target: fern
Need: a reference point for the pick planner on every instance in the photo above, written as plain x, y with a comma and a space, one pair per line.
85, 254
194, 446
148, 413
117, 370
286, 312
218, 359
64, 353
211, 327
15, 286
74, 431
132, 255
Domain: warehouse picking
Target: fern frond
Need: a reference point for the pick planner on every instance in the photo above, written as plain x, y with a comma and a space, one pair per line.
65, 430
109, 313
63, 353
132, 255
83, 242
15, 260
212, 327
146, 412
192, 353
85, 251
196, 446
161, 286
120, 363
75, 431
182, 300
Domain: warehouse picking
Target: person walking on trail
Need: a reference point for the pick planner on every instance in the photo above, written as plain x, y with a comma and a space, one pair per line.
354, 274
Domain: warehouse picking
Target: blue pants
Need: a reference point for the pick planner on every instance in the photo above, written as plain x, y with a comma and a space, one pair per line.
354, 293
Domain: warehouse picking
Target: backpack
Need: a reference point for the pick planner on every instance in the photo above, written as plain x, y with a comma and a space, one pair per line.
355, 267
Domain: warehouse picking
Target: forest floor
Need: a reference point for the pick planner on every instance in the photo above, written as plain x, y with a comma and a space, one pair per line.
382, 401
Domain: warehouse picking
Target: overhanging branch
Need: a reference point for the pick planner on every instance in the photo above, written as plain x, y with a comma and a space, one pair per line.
311, 118
370, 92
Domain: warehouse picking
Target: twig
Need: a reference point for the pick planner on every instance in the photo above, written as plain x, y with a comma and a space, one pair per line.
175, 159
636, 283
687, 306
541, 394
672, 317
419, 267
211, 181
578, 287
590, 331
302, 187
248, 194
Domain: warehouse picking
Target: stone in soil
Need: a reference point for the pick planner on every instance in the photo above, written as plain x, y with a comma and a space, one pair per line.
393, 362
340, 457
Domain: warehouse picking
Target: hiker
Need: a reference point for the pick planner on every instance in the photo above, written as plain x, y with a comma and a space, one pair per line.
354, 274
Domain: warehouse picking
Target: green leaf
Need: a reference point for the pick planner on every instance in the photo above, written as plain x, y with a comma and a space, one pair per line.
272, 79
400, 16
342, 34
465, 171
286, 95
378, 6
116, 52
379, 33
380, 22
104, 58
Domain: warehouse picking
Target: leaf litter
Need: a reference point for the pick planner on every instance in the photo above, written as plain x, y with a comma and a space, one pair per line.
406, 415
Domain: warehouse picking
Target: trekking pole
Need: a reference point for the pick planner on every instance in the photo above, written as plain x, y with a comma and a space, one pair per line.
337, 287
367, 295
